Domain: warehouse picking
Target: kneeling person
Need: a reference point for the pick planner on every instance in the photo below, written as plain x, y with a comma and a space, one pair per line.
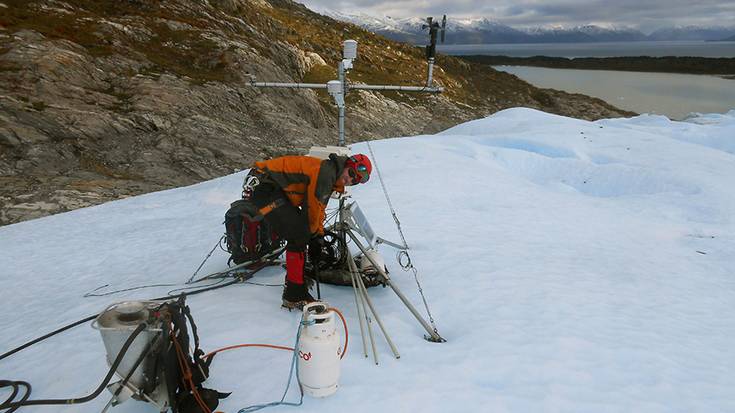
292, 195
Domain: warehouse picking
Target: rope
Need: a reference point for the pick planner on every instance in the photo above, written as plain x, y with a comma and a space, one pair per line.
186, 372
294, 366
219, 242
404, 253
385, 192
140, 287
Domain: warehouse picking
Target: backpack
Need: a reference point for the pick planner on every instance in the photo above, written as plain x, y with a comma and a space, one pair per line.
248, 238
168, 363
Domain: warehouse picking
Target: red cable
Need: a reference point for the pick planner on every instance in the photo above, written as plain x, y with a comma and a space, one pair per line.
347, 334
206, 356
344, 351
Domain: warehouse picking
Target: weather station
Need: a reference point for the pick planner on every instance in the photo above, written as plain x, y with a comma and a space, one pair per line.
351, 224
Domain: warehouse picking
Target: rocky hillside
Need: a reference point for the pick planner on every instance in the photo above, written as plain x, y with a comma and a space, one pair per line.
103, 99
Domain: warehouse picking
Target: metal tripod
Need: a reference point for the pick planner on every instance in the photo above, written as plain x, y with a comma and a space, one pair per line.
352, 224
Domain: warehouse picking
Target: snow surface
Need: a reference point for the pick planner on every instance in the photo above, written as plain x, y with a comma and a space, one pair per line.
572, 266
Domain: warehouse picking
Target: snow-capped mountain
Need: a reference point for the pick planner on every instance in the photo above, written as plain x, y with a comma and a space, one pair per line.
585, 33
483, 30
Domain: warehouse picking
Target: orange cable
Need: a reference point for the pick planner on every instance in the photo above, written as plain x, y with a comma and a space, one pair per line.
188, 376
344, 351
347, 334
206, 356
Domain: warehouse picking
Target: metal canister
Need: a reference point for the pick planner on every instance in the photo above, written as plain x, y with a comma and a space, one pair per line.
319, 351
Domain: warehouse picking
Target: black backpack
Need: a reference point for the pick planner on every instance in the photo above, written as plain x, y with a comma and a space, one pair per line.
248, 238
167, 364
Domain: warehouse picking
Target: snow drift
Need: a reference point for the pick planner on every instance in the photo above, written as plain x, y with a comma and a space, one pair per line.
571, 265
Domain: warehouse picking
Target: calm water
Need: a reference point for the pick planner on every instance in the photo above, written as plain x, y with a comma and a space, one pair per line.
607, 49
673, 95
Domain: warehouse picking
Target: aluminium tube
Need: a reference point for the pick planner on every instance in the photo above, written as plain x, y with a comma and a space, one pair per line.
360, 310
430, 73
434, 335
290, 85
399, 88
353, 270
341, 125
369, 302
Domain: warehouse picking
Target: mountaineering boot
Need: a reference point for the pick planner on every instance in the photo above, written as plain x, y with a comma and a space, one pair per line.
295, 292
295, 295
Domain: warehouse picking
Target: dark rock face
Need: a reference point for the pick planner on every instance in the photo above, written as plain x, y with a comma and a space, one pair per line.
104, 99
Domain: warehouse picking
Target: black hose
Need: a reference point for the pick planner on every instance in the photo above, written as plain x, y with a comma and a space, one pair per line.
92, 317
30, 343
15, 385
150, 346
87, 398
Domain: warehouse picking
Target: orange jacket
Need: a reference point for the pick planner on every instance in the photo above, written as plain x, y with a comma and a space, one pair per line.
307, 182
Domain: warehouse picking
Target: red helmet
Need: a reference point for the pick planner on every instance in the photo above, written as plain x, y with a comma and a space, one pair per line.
360, 168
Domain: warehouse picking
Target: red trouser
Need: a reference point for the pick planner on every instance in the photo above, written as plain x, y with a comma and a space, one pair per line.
290, 222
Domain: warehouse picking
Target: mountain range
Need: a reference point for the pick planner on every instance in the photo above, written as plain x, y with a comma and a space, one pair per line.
483, 30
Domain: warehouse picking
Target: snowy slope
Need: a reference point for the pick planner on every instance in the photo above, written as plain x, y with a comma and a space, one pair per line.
573, 266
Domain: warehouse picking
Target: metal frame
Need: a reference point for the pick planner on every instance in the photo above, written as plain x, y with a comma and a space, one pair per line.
339, 88
350, 218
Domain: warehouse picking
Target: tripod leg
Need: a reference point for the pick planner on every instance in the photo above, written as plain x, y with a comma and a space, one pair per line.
368, 320
433, 334
351, 261
360, 310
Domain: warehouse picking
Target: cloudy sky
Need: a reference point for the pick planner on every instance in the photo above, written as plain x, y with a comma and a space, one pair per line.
646, 15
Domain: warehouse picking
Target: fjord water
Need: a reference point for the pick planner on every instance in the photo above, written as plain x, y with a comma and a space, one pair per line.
669, 94
673, 95
603, 49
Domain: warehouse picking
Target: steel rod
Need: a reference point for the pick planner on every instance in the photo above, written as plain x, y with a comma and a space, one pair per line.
360, 314
399, 88
341, 125
341, 120
290, 85
434, 335
372, 307
368, 319
430, 74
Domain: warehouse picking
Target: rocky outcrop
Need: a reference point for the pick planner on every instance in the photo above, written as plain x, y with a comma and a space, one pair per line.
101, 100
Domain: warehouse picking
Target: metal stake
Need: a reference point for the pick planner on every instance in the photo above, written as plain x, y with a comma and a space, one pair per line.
433, 334
360, 309
369, 302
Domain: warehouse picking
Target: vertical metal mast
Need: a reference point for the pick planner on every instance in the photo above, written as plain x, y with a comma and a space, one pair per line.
338, 89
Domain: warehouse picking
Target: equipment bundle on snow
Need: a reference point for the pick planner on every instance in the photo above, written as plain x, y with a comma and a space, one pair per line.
328, 263
159, 366
248, 238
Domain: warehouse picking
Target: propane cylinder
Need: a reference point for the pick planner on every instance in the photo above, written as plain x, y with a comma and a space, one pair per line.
319, 351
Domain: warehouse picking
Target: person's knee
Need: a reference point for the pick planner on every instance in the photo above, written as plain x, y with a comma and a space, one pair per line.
298, 242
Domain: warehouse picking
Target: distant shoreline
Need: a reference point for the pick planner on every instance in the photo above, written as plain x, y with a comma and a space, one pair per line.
717, 66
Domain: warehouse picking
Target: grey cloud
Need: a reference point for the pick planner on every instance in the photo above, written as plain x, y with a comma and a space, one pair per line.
644, 14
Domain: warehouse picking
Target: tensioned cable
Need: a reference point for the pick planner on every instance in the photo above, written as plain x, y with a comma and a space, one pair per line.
408, 265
